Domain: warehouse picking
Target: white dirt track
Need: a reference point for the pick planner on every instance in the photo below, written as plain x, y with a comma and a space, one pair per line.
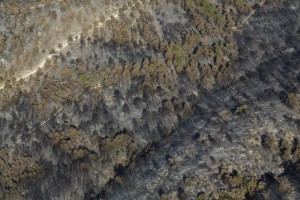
63, 46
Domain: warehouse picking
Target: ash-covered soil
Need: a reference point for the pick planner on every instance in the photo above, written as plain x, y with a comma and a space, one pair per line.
162, 100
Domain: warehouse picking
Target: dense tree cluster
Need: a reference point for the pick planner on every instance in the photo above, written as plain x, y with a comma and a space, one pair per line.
73, 142
14, 169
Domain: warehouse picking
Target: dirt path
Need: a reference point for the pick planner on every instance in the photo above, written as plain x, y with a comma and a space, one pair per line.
64, 45
235, 28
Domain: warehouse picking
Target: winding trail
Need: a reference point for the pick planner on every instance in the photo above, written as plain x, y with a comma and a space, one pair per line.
58, 50
235, 28
42, 64
65, 43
